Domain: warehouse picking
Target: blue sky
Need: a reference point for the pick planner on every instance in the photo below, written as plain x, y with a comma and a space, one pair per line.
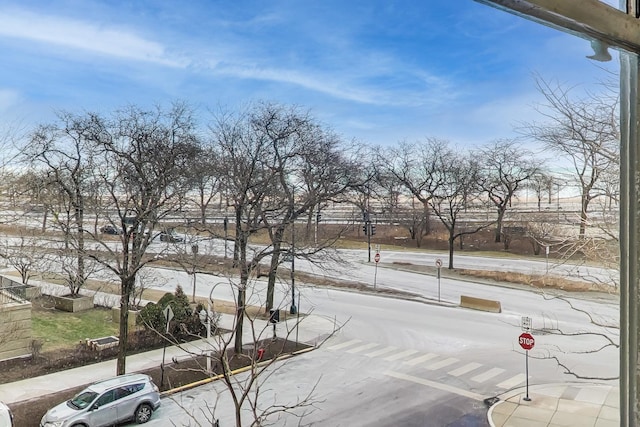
378, 71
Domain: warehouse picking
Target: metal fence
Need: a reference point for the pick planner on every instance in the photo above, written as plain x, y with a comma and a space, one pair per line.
11, 291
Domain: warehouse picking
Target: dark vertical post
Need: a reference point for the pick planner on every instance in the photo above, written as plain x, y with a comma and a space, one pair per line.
293, 309
226, 234
526, 373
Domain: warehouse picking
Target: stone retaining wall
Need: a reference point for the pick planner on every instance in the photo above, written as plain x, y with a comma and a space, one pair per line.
15, 330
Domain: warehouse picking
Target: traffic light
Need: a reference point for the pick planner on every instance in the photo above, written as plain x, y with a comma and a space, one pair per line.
373, 229
364, 228
318, 217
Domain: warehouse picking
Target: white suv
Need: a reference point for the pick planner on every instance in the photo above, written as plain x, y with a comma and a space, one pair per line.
105, 403
6, 419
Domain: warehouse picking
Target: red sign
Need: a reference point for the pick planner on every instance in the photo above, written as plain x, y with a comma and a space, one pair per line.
526, 341
376, 257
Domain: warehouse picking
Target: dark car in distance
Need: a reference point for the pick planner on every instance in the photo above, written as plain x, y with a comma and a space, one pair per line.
110, 229
171, 237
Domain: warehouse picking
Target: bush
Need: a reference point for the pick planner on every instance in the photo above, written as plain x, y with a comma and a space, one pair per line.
184, 322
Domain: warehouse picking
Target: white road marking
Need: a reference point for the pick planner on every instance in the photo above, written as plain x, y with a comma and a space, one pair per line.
441, 364
381, 351
465, 369
400, 355
343, 345
423, 358
513, 381
363, 347
487, 375
433, 384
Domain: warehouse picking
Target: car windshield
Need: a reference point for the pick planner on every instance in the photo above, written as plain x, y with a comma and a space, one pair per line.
83, 399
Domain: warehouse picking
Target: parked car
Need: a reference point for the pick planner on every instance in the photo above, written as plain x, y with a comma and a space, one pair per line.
6, 417
131, 397
171, 237
110, 229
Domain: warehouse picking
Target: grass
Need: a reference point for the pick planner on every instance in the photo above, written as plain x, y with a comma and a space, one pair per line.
57, 329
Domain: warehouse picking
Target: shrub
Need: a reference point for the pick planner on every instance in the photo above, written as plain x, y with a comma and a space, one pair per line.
185, 321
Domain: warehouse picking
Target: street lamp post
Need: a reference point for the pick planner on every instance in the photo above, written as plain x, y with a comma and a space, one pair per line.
293, 309
225, 225
194, 251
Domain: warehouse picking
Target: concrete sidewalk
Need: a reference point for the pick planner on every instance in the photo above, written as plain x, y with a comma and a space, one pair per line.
311, 330
584, 405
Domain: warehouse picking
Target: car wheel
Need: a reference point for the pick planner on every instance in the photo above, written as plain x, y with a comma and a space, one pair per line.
143, 413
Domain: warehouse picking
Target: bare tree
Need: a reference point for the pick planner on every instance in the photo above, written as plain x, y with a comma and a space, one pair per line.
542, 183
248, 180
65, 151
140, 169
206, 174
24, 256
582, 130
416, 166
605, 333
457, 176
254, 403
313, 169
507, 166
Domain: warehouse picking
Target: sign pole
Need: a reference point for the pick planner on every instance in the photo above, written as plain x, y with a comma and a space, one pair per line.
376, 258
438, 284
526, 373
526, 341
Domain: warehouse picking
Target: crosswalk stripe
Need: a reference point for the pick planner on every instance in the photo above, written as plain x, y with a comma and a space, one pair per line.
436, 385
363, 347
400, 355
381, 351
513, 381
343, 345
441, 364
465, 369
487, 375
420, 359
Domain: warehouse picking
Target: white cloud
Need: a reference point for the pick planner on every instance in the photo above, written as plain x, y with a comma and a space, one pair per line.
80, 35
8, 98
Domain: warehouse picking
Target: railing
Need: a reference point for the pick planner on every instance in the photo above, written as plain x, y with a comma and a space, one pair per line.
11, 291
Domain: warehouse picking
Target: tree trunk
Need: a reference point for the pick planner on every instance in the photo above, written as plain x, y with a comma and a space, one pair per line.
451, 243
273, 270
240, 310
79, 282
427, 219
44, 219
240, 303
127, 285
584, 206
501, 211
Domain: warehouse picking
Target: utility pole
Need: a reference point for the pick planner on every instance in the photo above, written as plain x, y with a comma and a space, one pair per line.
293, 309
366, 228
605, 26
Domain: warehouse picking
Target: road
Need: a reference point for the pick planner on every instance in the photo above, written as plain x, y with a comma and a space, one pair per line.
411, 362
408, 362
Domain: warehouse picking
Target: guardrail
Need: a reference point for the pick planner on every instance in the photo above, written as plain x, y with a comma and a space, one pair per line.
480, 304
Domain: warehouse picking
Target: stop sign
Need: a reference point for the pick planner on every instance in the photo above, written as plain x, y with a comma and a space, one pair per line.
376, 257
526, 341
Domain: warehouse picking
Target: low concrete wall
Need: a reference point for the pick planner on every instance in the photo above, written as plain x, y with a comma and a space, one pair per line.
73, 305
480, 304
132, 319
15, 330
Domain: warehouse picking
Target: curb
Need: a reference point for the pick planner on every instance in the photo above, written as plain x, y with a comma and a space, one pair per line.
490, 412
185, 387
